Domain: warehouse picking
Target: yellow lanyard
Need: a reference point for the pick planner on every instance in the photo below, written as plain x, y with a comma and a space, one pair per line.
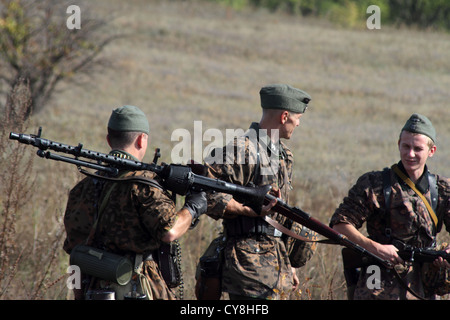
413, 186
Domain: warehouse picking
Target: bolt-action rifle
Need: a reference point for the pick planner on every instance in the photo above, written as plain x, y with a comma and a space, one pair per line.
410, 253
407, 252
181, 179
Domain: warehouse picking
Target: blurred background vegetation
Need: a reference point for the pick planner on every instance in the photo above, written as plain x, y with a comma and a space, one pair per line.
185, 61
422, 14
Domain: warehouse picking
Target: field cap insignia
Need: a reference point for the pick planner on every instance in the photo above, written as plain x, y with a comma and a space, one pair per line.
418, 123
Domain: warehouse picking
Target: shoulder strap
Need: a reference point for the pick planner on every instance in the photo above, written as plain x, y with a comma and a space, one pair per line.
387, 190
432, 182
387, 200
107, 194
100, 209
412, 186
135, 179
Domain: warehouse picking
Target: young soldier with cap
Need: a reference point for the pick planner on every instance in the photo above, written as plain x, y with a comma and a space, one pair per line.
129, 218
258, 260
405, 203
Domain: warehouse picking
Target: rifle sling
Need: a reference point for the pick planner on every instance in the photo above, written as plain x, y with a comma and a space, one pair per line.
413, 186
292, 234
102, 206
144, 180
348, 257
405, 286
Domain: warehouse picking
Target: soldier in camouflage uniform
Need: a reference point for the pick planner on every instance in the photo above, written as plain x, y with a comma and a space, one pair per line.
258, 260
134, 219
407, 219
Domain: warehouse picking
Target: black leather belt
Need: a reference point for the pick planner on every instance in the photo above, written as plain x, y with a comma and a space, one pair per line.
247, 226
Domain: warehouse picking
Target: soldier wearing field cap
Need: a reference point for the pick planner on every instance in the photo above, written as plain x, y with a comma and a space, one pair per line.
403, 204
259, 261
129, 218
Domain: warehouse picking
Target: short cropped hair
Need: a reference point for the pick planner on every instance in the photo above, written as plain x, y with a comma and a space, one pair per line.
121, 139
430, 141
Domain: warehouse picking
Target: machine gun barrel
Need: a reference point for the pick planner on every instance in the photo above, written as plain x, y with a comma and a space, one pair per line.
78, 151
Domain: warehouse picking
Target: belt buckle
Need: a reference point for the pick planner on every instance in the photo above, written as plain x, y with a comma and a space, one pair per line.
277, 233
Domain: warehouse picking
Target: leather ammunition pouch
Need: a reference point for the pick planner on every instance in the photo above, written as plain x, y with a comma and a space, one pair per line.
168, 257
209, 271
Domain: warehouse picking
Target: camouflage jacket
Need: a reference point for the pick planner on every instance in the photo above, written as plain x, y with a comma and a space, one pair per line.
409, 222
255, 265
134, 218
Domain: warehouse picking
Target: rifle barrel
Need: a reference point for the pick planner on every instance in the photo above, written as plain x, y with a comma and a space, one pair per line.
305, 219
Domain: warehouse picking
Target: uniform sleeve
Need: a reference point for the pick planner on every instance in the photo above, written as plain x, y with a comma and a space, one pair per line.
217, 202
234, 163
156, 209
443, 209
360, 203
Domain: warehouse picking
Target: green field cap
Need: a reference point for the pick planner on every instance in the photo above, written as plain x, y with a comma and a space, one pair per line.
129, 118
284, 97
418, 123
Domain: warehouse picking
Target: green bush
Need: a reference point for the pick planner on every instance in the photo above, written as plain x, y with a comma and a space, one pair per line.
427, 14
433, 14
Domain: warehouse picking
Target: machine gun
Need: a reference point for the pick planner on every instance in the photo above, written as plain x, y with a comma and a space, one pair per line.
177, 178
180, 179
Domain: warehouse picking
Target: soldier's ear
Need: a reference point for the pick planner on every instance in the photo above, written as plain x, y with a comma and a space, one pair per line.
432, 151
141, 140
284, 116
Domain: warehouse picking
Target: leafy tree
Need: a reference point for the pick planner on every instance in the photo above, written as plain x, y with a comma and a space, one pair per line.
36, 45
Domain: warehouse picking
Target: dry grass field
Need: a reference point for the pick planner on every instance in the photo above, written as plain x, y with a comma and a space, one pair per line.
186, 61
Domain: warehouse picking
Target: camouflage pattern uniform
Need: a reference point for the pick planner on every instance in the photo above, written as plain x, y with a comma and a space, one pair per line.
257, 265
133, 221
410, 222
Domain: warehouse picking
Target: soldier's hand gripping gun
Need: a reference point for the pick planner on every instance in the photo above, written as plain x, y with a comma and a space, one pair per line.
407, 252
180, 179
411, 254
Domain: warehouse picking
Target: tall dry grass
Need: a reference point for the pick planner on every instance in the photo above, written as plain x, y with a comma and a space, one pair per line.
27, 262
192, 61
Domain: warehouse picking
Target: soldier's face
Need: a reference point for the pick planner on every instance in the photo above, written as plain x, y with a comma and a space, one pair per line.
414, 151
290, 122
